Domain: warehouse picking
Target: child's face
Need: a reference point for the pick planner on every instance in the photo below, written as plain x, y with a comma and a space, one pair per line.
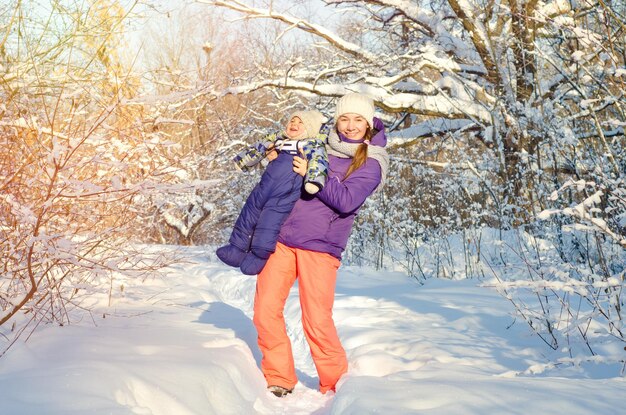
295, 127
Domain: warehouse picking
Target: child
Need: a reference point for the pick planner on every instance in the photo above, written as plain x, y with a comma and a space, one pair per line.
255, 233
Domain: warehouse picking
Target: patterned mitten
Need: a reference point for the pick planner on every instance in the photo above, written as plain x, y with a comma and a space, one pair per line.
317, 168
252, 155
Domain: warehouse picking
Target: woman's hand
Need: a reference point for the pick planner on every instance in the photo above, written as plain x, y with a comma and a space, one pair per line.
300, 165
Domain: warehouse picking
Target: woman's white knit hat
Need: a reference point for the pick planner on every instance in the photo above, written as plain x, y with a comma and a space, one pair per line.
312, 121
356, 103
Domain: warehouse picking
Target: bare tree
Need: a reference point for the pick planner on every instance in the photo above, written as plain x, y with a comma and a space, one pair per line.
73, 158
509, 75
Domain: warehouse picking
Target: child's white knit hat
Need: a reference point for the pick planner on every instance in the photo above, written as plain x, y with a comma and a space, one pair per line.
356, 103
312, 121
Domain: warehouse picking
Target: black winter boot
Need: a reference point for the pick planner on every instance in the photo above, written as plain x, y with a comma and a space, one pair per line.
279, 391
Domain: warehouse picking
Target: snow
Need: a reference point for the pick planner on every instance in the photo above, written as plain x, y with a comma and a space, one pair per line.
185, 344
429, 127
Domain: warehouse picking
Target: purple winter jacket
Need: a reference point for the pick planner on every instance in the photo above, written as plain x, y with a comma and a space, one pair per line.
323, 222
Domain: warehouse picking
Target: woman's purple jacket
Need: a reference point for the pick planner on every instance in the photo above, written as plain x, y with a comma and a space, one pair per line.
323, 222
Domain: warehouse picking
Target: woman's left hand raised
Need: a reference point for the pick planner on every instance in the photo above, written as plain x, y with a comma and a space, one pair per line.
299, 165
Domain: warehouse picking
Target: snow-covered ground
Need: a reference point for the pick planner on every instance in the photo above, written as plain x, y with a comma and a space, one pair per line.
185, 344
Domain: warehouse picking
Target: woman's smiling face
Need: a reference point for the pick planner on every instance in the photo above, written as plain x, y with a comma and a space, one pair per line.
352, 125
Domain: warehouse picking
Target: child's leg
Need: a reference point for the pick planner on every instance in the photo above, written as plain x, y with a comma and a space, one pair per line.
240, 239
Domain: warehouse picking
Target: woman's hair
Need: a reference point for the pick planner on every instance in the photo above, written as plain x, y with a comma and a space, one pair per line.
360, 155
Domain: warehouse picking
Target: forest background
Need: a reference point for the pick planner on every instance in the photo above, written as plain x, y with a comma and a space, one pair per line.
119, 120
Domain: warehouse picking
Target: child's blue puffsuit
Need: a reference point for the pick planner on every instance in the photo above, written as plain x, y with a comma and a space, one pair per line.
256, 230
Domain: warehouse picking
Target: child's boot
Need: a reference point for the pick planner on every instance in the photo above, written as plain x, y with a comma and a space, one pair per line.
231, 255
252, 264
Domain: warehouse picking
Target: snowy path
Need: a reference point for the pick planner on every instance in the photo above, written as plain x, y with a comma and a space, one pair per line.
185, 345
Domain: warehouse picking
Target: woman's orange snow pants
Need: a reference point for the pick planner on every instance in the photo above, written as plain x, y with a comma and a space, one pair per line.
317, 274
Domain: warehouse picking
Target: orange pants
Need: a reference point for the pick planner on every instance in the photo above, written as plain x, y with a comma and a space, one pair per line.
317, 274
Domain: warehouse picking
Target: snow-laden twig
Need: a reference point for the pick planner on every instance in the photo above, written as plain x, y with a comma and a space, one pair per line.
583, 210
317, 30
539, 368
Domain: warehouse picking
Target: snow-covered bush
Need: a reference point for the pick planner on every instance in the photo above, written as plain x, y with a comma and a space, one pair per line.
72, 158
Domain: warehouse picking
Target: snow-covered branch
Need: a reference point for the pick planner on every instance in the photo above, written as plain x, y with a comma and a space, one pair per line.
584, 211
312, 28
432, 24
466, 13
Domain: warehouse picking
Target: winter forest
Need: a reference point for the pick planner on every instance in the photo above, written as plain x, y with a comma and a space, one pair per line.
505, 118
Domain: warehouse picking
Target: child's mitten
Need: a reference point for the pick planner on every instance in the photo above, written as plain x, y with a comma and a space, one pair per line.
317, 168
252, 155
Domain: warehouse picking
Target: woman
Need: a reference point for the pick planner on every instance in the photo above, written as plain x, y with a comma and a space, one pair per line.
310, 244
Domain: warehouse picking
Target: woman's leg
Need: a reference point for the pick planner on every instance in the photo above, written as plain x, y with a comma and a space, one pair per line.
317, 273
272, 288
